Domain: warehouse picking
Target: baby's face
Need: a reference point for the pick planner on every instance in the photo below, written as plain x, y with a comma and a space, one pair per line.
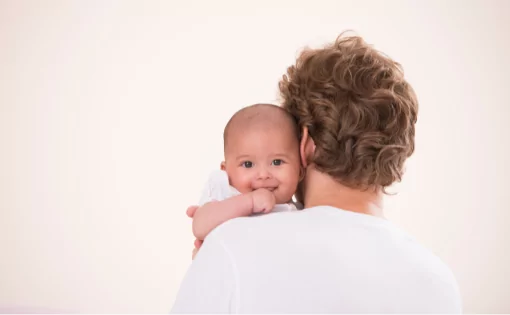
263, 158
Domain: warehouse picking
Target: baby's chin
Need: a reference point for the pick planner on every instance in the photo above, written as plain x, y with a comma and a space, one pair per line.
282, 199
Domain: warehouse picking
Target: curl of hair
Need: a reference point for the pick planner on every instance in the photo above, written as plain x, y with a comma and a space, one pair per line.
359, 110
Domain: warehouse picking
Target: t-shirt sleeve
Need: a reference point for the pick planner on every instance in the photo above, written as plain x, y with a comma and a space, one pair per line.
210, 284
217, 188
206, 194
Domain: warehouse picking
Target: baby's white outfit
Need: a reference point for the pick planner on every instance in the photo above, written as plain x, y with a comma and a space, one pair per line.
218, 188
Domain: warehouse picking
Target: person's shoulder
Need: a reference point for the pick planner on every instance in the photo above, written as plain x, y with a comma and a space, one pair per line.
430, 274
416, 251
308, 221
439, 277
257, 229
431, 263
426, 262
335, 237
350, 230
244, 225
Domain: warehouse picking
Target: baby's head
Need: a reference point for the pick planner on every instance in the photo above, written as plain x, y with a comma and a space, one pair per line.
261, 149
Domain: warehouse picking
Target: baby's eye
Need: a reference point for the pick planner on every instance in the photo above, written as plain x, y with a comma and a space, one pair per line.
277, 162
247, 164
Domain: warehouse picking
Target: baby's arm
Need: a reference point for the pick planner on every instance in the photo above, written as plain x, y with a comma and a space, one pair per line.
214, 213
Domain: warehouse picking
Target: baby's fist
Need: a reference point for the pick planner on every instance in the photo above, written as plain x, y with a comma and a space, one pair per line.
263, 200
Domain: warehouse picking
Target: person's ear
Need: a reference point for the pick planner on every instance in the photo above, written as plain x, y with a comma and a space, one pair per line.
306, 147
222, 166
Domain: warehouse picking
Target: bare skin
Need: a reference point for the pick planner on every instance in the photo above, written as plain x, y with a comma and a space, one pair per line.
321, 189
262, 162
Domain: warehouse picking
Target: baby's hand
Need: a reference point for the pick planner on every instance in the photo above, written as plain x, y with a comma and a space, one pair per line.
198, 243
263, 200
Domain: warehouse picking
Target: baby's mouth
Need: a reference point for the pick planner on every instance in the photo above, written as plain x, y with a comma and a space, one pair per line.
271, 189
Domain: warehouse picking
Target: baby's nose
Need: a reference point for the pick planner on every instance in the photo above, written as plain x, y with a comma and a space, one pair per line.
263, 173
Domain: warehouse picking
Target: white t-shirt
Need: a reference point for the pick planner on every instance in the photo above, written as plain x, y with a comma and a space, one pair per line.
218, 188
318, 260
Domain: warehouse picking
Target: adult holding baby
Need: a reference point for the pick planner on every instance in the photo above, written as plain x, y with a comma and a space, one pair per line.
356, 116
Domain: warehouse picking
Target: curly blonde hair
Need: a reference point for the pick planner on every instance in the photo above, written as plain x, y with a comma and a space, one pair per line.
359, 110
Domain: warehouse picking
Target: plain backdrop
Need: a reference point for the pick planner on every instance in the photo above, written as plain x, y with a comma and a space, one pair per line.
112, 113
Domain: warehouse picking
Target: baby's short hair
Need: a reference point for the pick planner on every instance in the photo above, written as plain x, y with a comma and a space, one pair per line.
261, 113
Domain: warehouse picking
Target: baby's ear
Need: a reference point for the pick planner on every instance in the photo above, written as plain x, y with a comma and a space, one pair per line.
222, 166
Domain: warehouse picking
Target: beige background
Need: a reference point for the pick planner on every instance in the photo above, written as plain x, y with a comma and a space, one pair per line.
111, 117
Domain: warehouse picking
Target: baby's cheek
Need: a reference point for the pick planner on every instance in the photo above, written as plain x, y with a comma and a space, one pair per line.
244, 190
239, 182
287, 190
243, 186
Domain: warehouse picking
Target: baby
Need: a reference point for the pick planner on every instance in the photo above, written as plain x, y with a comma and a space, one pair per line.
261, 170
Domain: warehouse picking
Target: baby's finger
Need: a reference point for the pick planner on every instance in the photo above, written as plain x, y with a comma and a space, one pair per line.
258, 210
190, 212
198, 243
267, 210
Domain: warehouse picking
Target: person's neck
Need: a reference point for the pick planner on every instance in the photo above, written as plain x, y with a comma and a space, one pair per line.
322, 190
